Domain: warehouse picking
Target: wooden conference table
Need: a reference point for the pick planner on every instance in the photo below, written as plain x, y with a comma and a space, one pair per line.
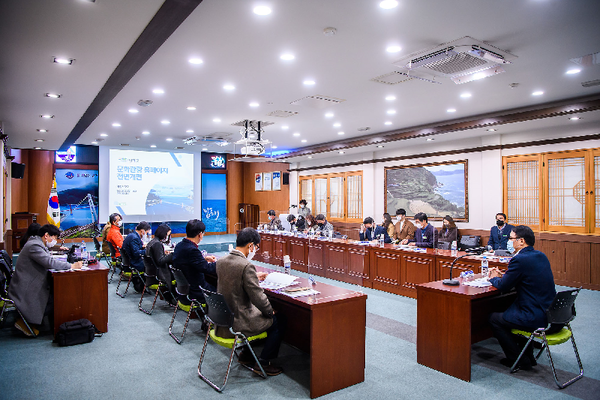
81, 294
450, 319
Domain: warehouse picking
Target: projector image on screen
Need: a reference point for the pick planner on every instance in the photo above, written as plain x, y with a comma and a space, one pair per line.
171, 199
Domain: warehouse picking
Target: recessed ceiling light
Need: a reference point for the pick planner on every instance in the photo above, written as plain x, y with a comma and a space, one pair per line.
228, 87
189, 131
430, 139
296, 133
390, 98
204, 149
153, 146
116, 124
387, 4
262, 10
309, 82
64, 61
451, 110
309, 156
387, 122
94, 142
287, 57
216, 119
285, 127
491, 130
273, 147
191, 108
341, 133
103, 135
42, 130
169, 139
537, 93
47, 116
158, 91
341, 152
573, 71
145, 133
195, 61
380, 146
391, 112
37, 148
465, 95
329, 115
393, 49
574, 118
53, 95
165, 122
337, 125
39, 140
253, 104
133, 111
303, 140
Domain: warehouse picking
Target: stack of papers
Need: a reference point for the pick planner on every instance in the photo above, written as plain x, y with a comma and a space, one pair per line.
481, 282
299, 293
277, 280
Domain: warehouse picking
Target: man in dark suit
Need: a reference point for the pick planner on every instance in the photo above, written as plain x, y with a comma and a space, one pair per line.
530, 274
499, 234
188, 258
426, 235
30, 287
238, 282
370, 232
134, 249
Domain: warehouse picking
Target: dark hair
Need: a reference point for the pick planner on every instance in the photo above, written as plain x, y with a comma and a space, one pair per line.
32, 230
271, 212
451, 223
51, 230
194, 227
421, 217
368, 220
387, 220
320, 217
247, 235
143, 225
303, 201
401, 211
162, 231
504, 215
113, 217
311, 218
525, 232
291, 218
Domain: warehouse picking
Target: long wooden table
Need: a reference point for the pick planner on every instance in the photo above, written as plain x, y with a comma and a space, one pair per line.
330, 326
450, 319
384, 268
81, 294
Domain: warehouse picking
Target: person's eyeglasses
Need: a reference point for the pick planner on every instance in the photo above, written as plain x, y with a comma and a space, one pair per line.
515, 238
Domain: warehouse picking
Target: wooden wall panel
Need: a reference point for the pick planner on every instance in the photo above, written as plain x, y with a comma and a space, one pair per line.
276, 200
577, 262
555, 251
315, 258
235, 192
40, 174
595, 264
20, 187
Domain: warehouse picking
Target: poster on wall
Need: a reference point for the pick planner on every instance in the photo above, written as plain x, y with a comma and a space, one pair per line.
276, 180
258, 181
267, 181
438, 190
214, 202
78, 199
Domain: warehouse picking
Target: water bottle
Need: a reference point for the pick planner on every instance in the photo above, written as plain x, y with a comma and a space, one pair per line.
330, 233
84, 253
381, 240
454, 248
287, 264
484, 267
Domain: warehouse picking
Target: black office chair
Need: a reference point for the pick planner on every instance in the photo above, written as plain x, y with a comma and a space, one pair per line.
126, 273
152, 282
115, 261
219, 314
561, 311
7, 259
101, 255
183, 289
6, 303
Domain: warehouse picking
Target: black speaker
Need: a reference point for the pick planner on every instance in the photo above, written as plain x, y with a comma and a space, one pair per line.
286, 178
17, 170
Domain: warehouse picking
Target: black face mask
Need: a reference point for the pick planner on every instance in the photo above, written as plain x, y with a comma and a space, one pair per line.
499, 222
321, 224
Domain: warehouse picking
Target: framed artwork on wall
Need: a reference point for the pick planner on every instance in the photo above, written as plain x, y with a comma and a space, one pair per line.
258, 181
437, 189
267, 180
276, 180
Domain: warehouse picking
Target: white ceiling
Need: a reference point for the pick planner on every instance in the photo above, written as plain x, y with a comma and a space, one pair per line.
243, 49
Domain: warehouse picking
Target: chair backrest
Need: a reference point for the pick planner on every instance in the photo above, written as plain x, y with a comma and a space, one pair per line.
97, 244
113, 252
6, 271
442, 245
183, 286
149, 265
125, 257
217, 309
7, 258
562, 309
467, 242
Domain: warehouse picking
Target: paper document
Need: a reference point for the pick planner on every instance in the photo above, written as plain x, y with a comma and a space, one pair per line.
277, 280
300, 293
481, 282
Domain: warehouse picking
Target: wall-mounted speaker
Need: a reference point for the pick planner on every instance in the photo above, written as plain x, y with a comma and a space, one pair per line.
286, 178
17, 170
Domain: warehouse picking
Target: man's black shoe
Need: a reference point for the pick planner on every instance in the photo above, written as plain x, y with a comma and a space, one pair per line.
524, 365
246, 357
270, 370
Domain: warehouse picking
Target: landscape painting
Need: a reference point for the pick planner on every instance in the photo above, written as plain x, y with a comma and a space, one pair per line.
438, 190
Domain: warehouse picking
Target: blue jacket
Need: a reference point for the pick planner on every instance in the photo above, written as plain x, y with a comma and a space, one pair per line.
530, 274
499, 240
426, 237
188, 258
379, 230
134, 248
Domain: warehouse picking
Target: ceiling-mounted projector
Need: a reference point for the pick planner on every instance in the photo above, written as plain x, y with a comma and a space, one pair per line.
252, 149
252, 142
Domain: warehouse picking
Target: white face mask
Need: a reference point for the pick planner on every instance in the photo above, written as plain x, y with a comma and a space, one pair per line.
120, 223
399, 219
251, 254
418, 225
51, 243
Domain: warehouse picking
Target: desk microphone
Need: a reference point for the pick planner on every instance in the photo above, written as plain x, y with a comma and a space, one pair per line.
476, 250
454, 282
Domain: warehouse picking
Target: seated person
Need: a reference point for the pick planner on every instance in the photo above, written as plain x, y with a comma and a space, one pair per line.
404, 229
31, 287
300, 223
370, 232
449, 231
500, 233
162, 258
388, 224
310, 223
32, 230
114, 233
292, 220
304, 210
274, 222
529, 273
103, 236
134, 247
238, 283
188, 258
426, 234
323, 227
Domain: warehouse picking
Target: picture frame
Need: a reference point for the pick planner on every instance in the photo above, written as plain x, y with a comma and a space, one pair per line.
276, 180
258, 181
267, 178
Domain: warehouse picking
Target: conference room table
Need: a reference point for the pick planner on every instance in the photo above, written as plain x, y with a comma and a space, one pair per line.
81, 294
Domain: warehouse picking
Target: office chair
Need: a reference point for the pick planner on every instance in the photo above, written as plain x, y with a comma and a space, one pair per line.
183, 289
5, 301
126, 273
7, 259
101, 255
219, 314
115, 261
561, 311
152, 282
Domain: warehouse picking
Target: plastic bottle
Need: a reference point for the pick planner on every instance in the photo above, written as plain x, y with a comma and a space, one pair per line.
381, 240
484, 267
84, 253
454, 248
287, 264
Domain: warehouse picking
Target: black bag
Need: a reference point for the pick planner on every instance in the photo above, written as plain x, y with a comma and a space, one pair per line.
75, 332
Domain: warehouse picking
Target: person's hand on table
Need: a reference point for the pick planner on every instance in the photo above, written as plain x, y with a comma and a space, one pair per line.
63, 248
404, 241
210, 258
411, 243
77, 265
495, 273
261, 276
167, 251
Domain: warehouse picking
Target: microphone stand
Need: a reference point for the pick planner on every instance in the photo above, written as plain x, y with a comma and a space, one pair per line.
455, 282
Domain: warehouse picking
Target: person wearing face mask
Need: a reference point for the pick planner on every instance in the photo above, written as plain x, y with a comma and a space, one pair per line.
30, 287
274, 222
388, 224
161, 258
449, 231
499, 234
134, 247
114, 233
304, 210
310, 223
296, 222
404, 229
323, 227
238, 282
529, 273
368, 231
426, 234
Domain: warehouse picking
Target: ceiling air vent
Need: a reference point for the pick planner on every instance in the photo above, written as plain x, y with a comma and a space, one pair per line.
595, 82
253, 122
392, 78
125, 144
144, 103
281, 113
317, 101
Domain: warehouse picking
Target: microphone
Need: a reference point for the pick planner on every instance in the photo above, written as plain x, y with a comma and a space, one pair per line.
476, 250
454, 282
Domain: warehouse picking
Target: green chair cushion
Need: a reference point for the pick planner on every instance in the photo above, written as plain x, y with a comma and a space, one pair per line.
553, 339
126, 274
228, 342
153, 287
